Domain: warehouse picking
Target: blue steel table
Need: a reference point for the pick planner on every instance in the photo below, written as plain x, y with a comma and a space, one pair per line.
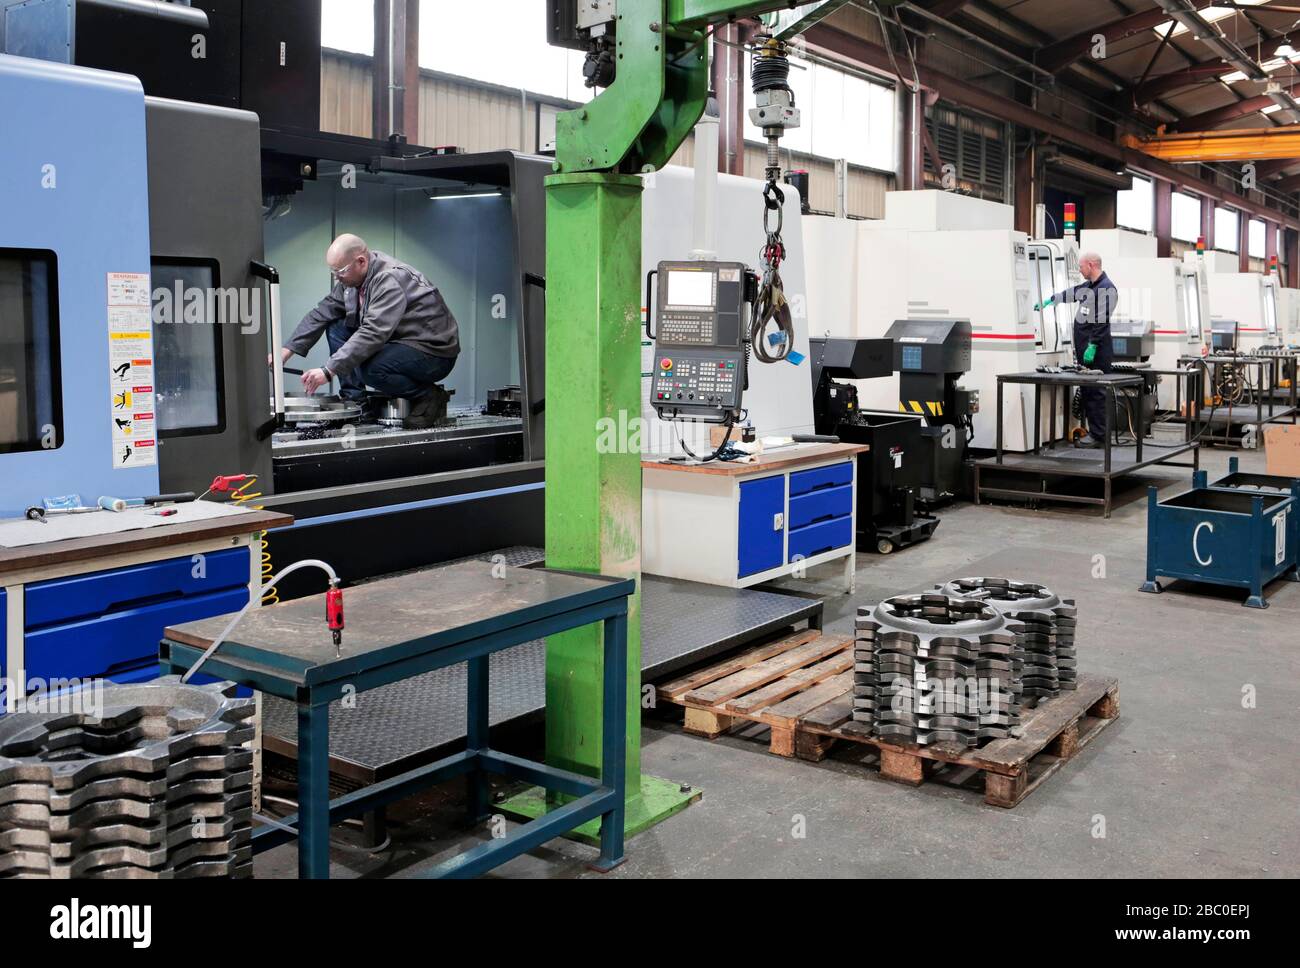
406, 626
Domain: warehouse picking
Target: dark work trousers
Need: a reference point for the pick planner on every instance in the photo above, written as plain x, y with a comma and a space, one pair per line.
397, 370
1094, 398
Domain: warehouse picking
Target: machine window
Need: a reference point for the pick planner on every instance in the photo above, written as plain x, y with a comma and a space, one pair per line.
31, 393
189, 382
1048, 328
1192, 304
1270, 309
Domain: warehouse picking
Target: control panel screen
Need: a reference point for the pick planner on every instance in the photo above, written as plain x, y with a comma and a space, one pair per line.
686, 288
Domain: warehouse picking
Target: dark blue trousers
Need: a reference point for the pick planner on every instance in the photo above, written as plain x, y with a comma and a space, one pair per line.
1094, 398
396, 370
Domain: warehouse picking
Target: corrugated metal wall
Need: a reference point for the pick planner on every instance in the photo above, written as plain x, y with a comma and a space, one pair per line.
483, 117
345, 94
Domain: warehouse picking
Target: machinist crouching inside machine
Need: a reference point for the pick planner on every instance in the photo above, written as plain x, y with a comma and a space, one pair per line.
1097, 297
387, 327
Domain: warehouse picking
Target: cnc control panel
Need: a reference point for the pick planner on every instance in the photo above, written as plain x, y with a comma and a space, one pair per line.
699, 367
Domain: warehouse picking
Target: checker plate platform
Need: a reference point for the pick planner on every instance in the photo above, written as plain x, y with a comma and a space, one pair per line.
398, 727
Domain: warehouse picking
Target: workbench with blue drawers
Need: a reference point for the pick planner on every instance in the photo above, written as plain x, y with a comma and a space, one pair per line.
95, 607
740, 523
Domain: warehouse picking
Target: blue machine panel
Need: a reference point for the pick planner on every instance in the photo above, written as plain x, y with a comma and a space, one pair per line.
102, 592
837, 475
760, 542
73, 181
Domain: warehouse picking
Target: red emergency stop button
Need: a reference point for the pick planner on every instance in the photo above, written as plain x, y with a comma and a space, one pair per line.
666, 364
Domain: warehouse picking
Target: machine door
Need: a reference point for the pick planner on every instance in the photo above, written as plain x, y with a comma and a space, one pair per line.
1191, 296
1048, 277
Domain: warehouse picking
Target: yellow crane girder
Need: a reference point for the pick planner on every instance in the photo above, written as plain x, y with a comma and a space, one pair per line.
1232, 145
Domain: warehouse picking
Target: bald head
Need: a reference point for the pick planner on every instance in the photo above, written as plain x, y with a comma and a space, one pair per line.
1090, 266
348, 258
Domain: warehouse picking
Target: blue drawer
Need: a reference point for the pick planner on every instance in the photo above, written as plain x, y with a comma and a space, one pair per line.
837, 475
89, 596
121, 640
808, 509
813, 540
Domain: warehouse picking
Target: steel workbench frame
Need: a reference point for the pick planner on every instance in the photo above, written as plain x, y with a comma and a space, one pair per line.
1046, 466
314, 689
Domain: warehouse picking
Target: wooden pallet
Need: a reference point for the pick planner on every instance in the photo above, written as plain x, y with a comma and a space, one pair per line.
801, 688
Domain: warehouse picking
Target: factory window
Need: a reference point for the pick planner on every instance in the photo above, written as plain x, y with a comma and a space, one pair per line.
841, 116
1226, 226
348, 25
188, 308
516, 55
1186, 217
1256, 241
1135, 208
31, 393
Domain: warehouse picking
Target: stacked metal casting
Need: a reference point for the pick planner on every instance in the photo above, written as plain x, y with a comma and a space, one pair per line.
932, 667
1043, 623
158, 785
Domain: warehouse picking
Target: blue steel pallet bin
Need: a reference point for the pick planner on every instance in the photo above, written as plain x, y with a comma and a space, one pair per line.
407, 626
1237, 533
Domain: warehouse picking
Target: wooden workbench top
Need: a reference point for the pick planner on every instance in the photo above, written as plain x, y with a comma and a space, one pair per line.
774, 461
29, 557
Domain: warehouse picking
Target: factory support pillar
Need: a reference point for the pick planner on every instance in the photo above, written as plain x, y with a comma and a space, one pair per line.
593, 467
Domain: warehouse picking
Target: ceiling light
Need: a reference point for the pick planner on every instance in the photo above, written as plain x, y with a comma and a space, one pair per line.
1286, 50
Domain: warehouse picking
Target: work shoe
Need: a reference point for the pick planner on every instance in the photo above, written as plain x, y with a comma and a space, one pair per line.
1087, 442
429, 410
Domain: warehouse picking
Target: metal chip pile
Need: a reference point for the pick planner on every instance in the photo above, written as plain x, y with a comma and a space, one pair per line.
932, 667
159, 784
1043, 623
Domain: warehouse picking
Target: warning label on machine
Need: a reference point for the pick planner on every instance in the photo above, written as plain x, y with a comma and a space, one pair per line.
130, 361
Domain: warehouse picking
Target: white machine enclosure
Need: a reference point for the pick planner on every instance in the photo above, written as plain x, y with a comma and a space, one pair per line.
1251, 299
779, 398
1115, 244
934, 255
1175, 296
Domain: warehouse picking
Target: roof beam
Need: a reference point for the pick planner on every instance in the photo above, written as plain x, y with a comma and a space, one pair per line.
1062, 54
1163, 84
1287, 184
944, 8
1217, 117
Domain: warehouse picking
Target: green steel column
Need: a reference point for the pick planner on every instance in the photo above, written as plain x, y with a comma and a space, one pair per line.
593, 468
593, 476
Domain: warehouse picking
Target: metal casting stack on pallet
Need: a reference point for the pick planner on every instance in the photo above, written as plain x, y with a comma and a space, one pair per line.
914, 656
814, 690
154, 783
1044, 624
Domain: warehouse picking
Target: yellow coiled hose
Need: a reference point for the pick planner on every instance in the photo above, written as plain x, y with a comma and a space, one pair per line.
242, 497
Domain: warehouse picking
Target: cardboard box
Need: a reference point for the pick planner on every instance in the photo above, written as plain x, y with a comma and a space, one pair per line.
1282, 450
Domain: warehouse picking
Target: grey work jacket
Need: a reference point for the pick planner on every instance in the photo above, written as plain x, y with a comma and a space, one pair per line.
400, 306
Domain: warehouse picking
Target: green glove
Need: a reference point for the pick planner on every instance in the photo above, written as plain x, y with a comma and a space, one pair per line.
1090, 353
1044, 305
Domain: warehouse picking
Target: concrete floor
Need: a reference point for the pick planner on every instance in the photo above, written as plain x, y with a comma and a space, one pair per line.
1187, 782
